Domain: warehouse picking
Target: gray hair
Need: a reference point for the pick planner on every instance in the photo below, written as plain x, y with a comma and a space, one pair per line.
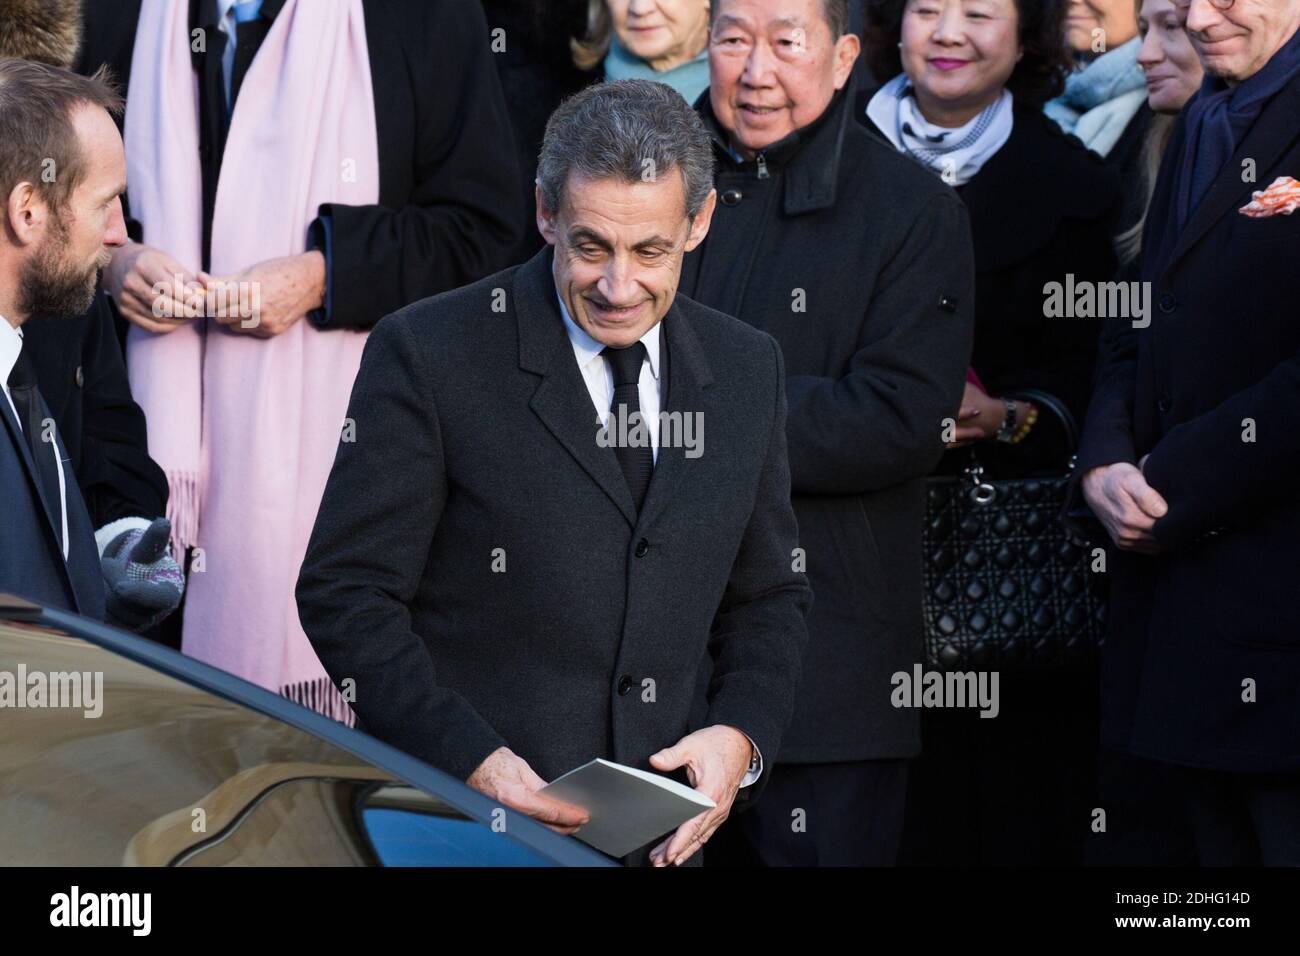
835, 12
630, 129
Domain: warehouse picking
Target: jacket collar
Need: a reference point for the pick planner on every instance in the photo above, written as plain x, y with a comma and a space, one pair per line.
53, 510
203, 13
1269, 136
808, 158
563, 403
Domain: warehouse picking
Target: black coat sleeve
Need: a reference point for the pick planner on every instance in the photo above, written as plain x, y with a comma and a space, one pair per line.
367, 554
79, 365
881, 424
1210, 477
118, 478
1107, 436
1108, 429
759, 631
465, 212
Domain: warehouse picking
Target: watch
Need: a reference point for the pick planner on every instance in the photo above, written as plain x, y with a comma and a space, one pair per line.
1007, 430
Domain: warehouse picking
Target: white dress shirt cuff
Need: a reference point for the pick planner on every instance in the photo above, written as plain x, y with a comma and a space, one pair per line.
757, 771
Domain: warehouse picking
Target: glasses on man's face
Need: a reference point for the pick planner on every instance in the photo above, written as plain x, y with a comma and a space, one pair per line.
1184, 5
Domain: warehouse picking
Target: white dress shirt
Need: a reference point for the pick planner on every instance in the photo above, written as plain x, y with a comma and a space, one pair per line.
11, 346
599, 376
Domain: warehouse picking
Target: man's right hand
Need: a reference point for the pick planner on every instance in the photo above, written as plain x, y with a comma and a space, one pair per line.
131, 278
1125, 504
507, 778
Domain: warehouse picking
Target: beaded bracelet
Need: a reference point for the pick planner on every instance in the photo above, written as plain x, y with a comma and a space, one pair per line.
1023, 430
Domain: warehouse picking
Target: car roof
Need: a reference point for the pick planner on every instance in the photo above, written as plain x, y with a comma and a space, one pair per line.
27, 622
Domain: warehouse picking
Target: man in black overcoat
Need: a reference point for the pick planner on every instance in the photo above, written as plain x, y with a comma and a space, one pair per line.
568, 484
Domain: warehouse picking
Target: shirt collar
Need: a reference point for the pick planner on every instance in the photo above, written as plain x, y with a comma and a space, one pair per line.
11, 345
212, 13
586, 348
809, 155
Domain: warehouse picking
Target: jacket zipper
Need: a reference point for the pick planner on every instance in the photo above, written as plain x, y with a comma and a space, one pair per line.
762, 167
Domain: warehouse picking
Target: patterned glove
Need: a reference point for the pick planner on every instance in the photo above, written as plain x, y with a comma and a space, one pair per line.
144, 583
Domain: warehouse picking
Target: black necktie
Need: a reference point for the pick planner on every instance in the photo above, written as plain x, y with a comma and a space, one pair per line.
31, 415
637, 461
249, 35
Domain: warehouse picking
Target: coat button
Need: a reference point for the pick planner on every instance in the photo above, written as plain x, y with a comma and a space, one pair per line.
732, 197
625, 685
1163, 403
79, 378
1168, 303
642, 547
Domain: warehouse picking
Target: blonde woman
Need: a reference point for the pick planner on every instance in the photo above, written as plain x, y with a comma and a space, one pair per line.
1173, 75
662, 40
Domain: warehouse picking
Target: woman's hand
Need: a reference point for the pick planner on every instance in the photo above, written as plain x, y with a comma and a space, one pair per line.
979, 417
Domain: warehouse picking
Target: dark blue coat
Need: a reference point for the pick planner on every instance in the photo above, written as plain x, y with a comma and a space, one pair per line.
1222, 352
31, 553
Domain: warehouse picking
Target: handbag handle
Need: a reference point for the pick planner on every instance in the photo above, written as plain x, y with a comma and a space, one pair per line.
1057, 407
982, 492
1054, 405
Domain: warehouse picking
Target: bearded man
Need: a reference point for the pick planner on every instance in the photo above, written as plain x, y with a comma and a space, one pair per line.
62, 171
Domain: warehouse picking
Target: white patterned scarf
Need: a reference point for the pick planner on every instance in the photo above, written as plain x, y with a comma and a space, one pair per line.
955, 153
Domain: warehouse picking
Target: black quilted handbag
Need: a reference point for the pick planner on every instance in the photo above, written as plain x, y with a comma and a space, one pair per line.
1006, 585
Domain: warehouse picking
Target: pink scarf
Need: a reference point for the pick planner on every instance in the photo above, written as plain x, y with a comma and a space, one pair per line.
246, 428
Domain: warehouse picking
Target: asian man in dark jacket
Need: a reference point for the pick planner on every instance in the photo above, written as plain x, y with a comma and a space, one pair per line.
859, 263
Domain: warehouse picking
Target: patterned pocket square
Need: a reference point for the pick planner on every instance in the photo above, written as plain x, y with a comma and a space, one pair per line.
1282, 197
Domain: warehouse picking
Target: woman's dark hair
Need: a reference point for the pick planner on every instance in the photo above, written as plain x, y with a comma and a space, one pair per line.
1037, 78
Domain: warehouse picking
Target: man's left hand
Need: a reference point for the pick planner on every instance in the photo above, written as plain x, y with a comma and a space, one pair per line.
143, 581
268, 298
716, 759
